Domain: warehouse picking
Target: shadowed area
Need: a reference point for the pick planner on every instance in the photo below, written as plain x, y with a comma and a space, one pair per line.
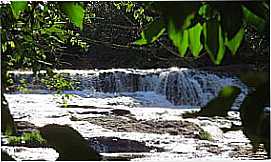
6, 157
68, 143
220, 105
255, 120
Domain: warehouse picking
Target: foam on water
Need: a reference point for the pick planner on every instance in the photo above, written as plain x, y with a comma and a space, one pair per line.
180, 86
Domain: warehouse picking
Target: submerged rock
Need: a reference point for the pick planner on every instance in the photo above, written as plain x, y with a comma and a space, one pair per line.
126, 124
115, 145
68, 143
120, 112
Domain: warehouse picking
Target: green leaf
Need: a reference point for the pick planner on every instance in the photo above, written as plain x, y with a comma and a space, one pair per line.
75, 12
179, 38
205, 11
231, 18
181, 13
194, 39
151, 33
253, 19
258, 8
214, 42
235, 42
17, 7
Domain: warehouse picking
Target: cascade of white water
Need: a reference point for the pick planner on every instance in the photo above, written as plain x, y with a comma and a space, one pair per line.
181, 86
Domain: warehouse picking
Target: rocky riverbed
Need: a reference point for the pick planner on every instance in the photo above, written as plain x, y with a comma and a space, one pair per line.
129, 127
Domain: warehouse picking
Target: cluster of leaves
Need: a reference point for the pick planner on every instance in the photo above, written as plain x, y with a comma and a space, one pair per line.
26, 138
23, 86
34, 33
138, 12
213, 26
57, 82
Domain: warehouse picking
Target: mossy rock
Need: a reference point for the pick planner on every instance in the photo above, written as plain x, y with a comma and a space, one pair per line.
69, 143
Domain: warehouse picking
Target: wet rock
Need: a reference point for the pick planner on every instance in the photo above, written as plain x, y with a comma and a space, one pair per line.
73, 118
7, 121
6, 157
68, 143
57, 116
115, 145
232, 128
172, 132
120, 112
25, 126
81, 106
122, 157
94, 112
120, 124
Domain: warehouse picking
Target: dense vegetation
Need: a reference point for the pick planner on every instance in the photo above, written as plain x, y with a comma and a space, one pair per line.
37, 35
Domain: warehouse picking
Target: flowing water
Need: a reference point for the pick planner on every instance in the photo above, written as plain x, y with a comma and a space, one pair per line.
150, 95
180, 86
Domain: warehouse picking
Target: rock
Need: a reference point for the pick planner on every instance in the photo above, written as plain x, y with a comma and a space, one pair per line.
25, 126
255, 121
120, 112
7, 121
94, 112
6, 157
119, 124
220, 105
82, 107
70, 144
116, 145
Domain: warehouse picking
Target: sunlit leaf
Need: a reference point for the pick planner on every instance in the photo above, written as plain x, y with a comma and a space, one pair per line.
11, 43
194, 39
179, 37
229, 91
214, 42
75, 12
235, 42
253, 19
205, 11
17, 7
151, 33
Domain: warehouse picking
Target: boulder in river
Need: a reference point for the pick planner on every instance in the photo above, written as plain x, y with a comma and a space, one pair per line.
69, 143
116, 145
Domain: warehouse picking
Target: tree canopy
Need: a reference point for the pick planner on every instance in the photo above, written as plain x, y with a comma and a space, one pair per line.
34, 32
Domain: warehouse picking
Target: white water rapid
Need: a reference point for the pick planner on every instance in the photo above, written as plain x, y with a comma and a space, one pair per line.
180, 86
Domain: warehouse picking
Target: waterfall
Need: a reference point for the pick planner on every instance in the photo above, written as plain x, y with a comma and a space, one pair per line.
181, 86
